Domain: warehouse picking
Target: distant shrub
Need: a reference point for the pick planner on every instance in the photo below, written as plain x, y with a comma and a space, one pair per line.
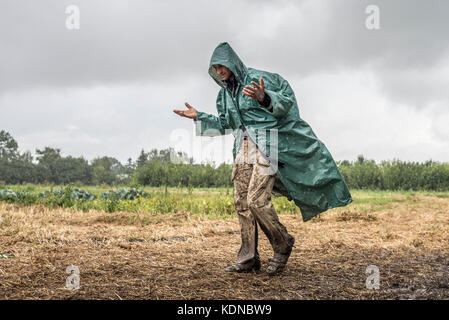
123, 194
8, 195
72, 193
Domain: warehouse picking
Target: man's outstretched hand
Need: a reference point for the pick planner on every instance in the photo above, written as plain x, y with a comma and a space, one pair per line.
189, 113
257, 92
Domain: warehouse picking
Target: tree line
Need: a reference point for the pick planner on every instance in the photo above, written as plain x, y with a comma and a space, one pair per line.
155, 168
395, 175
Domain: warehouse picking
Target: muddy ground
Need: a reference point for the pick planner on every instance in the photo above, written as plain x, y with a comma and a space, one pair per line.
179, 256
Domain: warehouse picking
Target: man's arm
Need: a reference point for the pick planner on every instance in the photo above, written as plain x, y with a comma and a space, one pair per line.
210, 125
281, 98
258, 93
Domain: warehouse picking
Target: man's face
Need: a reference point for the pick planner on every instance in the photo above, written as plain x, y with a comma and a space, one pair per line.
223, 72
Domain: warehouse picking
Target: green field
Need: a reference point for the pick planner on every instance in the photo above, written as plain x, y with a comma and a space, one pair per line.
209, 202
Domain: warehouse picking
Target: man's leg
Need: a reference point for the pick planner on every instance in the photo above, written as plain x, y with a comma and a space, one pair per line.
248, 257
248, 225
259, 203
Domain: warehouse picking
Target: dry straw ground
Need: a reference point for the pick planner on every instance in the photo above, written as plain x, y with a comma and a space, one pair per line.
179, 256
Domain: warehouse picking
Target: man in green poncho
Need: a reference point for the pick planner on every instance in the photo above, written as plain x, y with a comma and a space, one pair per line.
275, 151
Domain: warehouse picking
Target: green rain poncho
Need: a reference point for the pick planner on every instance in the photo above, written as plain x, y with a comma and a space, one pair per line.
305, 170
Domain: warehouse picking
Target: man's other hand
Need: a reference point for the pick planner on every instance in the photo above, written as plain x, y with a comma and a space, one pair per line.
189, 113
257, 92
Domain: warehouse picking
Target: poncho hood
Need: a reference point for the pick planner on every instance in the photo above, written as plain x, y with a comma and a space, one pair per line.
226, 56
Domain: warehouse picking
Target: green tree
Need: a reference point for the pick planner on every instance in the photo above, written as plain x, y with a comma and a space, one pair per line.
8, 146
107, 170
52, 167
142, 159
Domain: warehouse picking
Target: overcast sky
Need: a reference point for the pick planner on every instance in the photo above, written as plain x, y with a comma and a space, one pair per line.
109, 87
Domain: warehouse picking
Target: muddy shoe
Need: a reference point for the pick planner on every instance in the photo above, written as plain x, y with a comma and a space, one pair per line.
277, 264
244, 267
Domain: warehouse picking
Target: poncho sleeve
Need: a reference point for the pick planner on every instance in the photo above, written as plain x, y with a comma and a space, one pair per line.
282, 97
210, 125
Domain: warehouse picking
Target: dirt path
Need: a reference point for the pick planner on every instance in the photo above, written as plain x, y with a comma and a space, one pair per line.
179, 256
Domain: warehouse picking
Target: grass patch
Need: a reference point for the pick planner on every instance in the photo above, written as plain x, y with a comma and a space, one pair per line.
217, 203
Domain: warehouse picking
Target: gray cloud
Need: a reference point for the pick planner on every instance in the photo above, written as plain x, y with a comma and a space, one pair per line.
156, 40
117, 42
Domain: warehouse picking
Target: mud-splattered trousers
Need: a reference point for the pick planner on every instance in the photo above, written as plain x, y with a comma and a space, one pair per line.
253, 182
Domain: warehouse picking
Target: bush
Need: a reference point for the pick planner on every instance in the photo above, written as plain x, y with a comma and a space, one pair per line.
123, 194
8, 195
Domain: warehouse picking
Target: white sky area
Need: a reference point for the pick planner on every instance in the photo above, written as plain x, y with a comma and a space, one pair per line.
109, 88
